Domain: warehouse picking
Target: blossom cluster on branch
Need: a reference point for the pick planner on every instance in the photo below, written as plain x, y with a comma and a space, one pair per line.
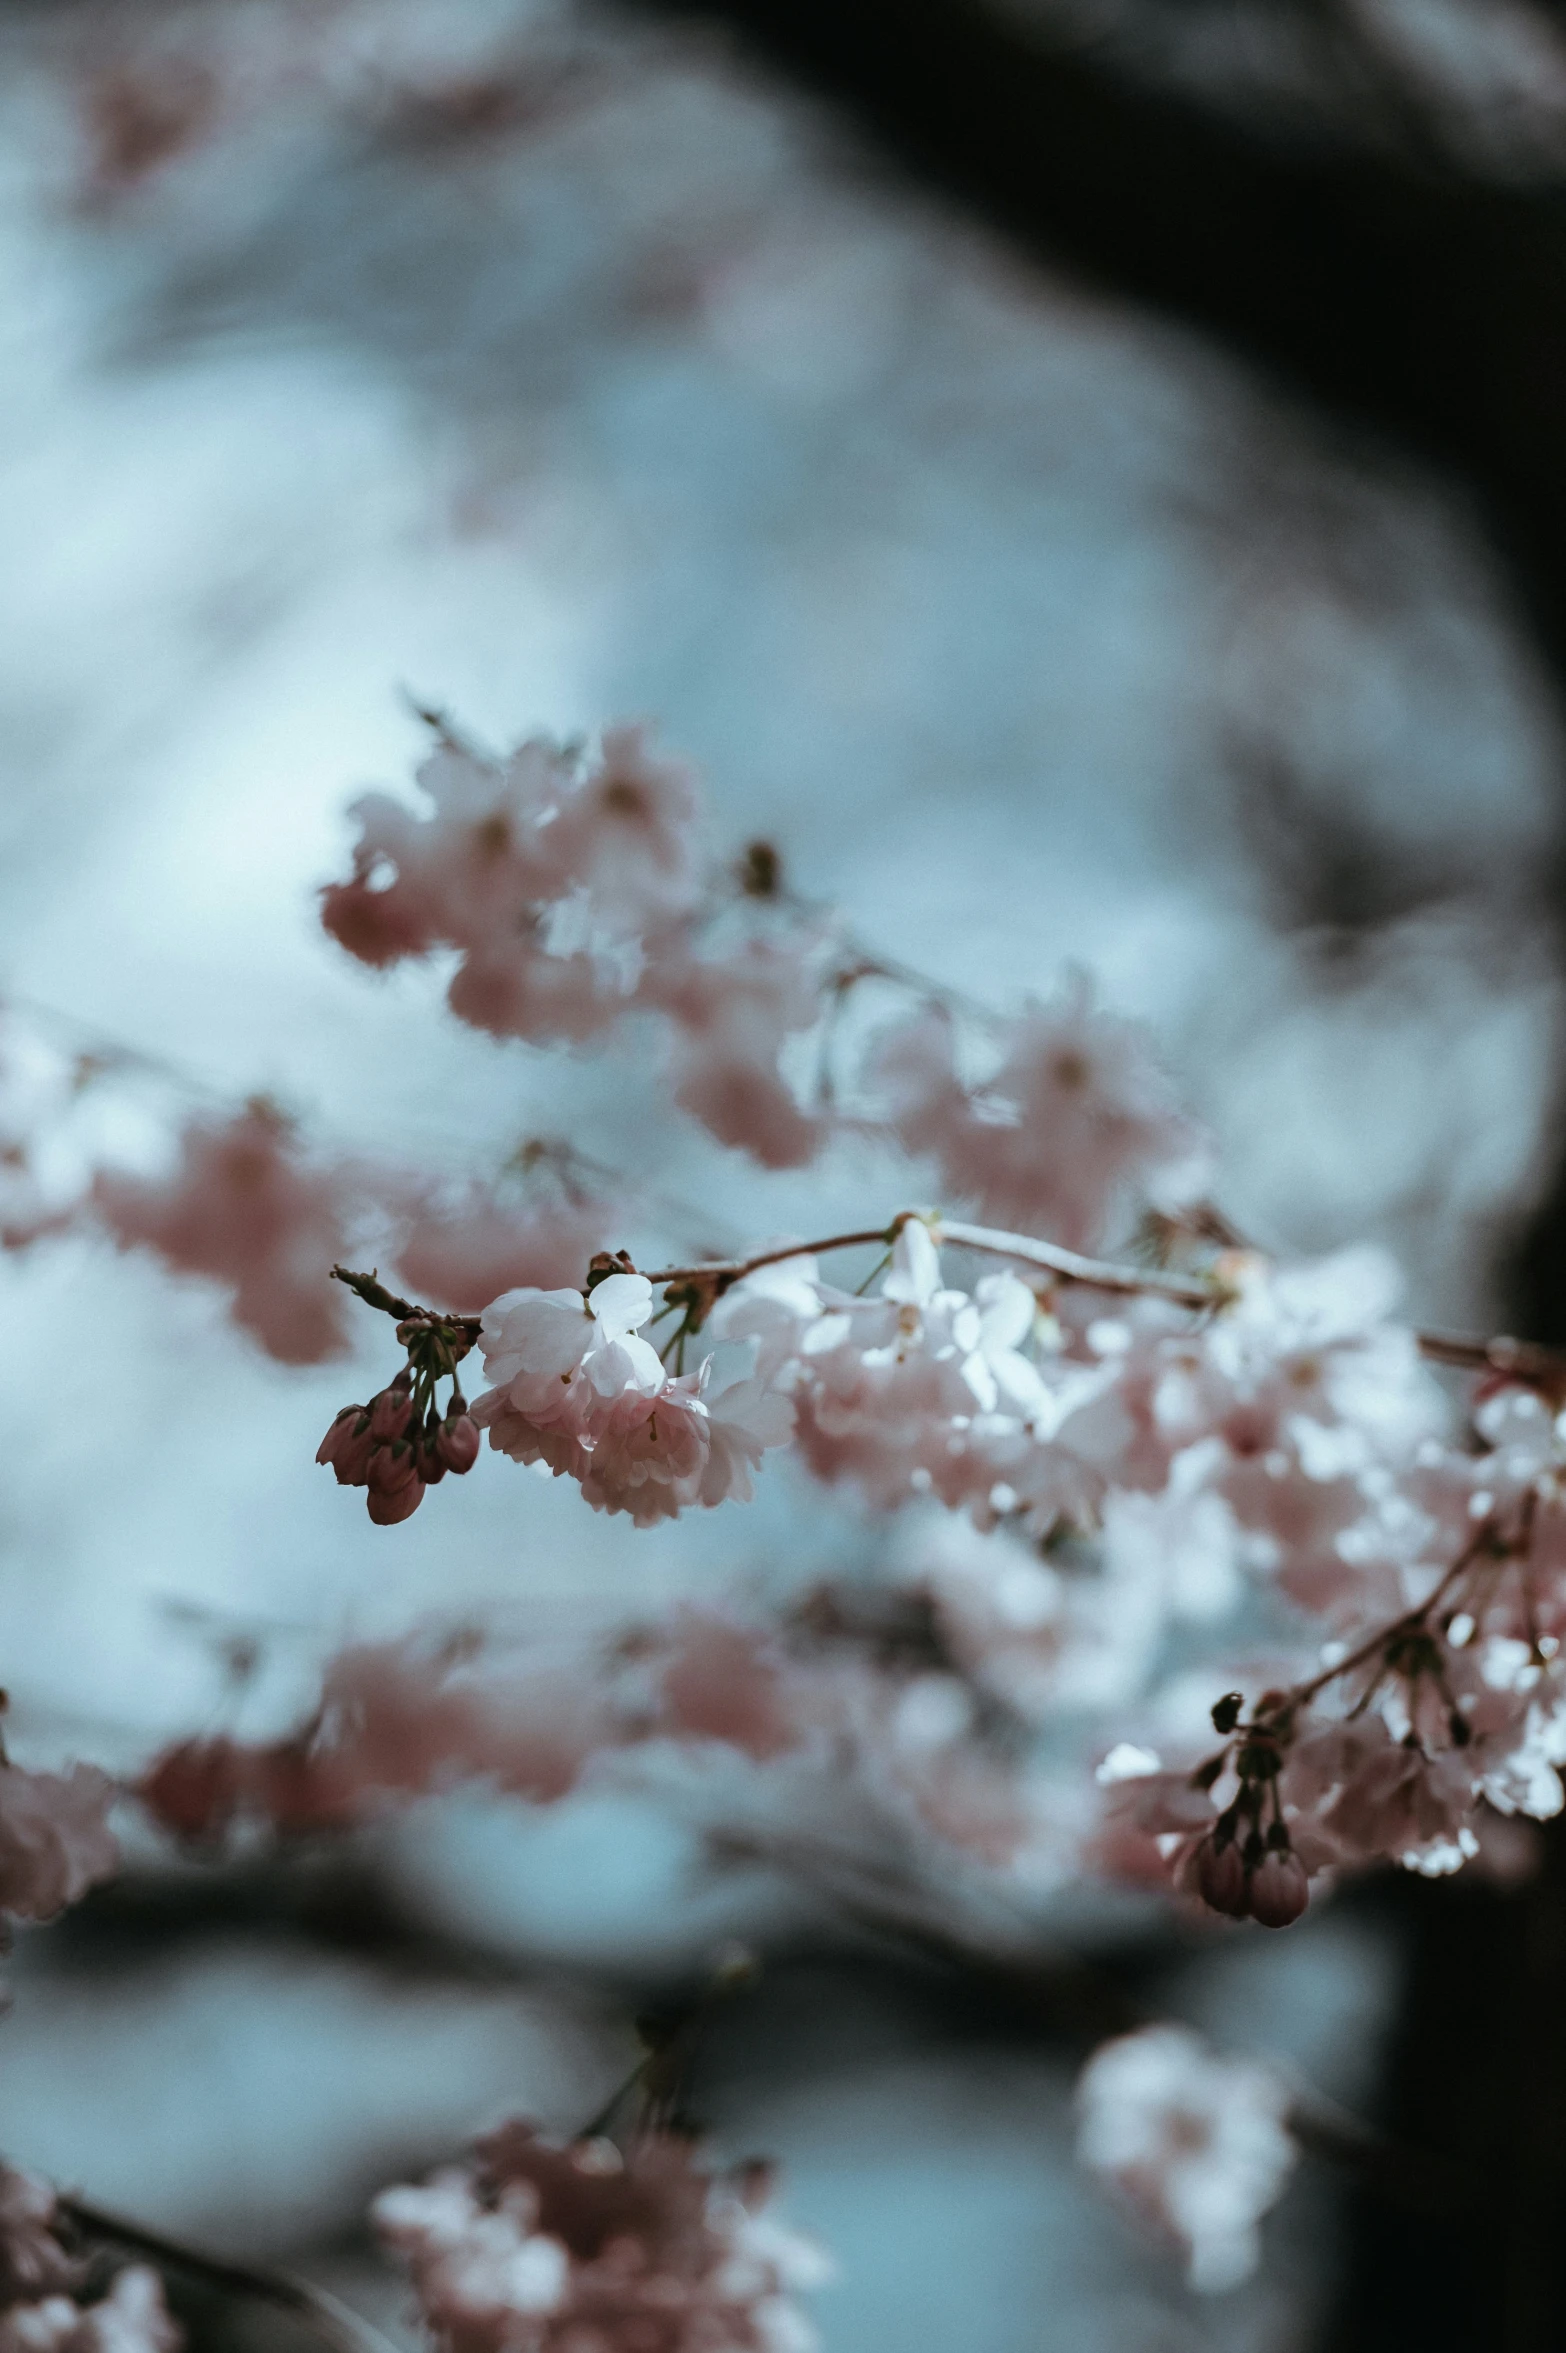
578, 892
1374, 1557
582, 897
1201, 1571
1287, 1441
40, 2276
245, 1202
55, 1840
540, 2246
535, 2245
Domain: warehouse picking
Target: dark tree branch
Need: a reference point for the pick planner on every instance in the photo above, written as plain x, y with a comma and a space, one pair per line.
1409, 295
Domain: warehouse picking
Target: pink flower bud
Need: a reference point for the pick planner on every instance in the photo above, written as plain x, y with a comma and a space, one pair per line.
299, 1786
391, 1467
193, 1789
428, 1463
401, 1504
390, 1414
1280, 1890
347, 1446
1220, 1877
457, 1443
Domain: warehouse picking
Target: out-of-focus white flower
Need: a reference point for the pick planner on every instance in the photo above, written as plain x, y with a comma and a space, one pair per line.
579, 1389
33, 2264
38, 2312
131, 2318
1313, 1358
1177, 1554
1198, 2145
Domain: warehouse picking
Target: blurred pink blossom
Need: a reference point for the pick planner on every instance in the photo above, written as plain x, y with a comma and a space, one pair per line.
244, 1209
460, 1250
549, 2247
547, 876
1074, 1116
33, 2263
734, 1013
55, 1840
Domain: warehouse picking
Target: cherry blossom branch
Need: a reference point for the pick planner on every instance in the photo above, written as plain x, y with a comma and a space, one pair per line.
1526, 1361
1066, 1266
720, 1275
1520, 1360
1487, 1541
1503, 1355
761, 877
330, 2319
1245, 1865
374, 1293
1069, 1266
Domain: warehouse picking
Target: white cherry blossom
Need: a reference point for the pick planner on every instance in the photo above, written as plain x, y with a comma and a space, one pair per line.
1197, 2145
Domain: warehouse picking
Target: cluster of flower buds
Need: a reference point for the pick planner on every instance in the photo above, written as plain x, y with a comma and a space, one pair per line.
402, 1441
385, 1447
1241, 1868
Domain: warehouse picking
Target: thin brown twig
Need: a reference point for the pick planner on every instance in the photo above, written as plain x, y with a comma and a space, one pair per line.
1519, 1360
1276, 1712
1066, 1266
1301, 1694
374, 1293
722, 1274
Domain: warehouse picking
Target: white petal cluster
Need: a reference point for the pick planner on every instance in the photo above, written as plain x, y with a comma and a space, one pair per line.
577, 1388
39, 2312
1197, 2145
547, 2247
